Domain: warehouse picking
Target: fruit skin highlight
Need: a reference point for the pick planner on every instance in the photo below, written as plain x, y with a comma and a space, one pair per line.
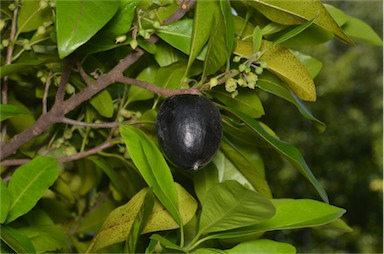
189, 130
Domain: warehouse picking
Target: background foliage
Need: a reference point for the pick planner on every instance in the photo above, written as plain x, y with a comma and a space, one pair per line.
87, 147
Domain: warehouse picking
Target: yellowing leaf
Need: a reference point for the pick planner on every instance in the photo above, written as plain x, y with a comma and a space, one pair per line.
284, 64
294, 12
119, 222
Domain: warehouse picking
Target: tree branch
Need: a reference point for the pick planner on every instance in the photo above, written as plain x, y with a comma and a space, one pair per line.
61, 106
92, 125
156, 89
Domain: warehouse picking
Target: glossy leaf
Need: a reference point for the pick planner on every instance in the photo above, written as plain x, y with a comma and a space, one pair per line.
311, 64
166, 54
166, 243
271, 84
257, 39
9, 110
290, 152
178, 34
204, 180
29, 183
354, 28
246, 101
121, 23
217, 48
16, 240
103, 103
301, 213
46, 238
109, 171
338, 15
171, 76
152, 166
247, 168
285, 65
295, 12
76, 27
290, 214
18, 67
139, 222
5, 201
228, 171
229, 205
205, 13
119, 222
32, 16
137, 93
295, 31
262, 246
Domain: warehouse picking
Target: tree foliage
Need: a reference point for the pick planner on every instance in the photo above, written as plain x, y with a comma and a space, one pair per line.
81, 85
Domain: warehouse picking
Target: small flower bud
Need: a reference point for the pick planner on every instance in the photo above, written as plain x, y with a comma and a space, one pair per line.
213, 82
133, 44
120, 39
230, 85
236, 59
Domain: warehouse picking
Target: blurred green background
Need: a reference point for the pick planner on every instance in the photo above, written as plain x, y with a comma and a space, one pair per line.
348, 157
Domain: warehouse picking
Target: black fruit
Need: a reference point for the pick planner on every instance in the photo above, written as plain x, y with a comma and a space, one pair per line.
189, 130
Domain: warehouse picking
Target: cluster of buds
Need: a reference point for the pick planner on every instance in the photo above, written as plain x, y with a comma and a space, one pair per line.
248, 73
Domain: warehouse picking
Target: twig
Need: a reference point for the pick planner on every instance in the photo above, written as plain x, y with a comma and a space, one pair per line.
64, 80
184, 7
83, 74
46, 91
92, 125
94, 150
8, 60
156, 89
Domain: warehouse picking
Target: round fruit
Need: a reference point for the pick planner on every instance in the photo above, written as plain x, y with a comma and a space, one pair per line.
189, 130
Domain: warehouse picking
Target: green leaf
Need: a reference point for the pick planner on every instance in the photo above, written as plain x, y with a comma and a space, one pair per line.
121, 23
77, 26
290, 214
5, 201
204, 180
103, 103
295, 12
257, 39
295, 31
109, 171
285, 65
166, 243
300, 213
311, 64
178, 34
29, 183
217, 51
18, 67
32, 16
246, 101
338, 15
16, 240
9, 110
118, 224
247, 168
262, 246
46, 237
139, 222
229, 205
204, 17
152, 166
171, 76
290, 152
271, 84
139, 94
354, 28
166, 54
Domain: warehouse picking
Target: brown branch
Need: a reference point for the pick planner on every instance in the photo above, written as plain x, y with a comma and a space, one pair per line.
94, 150
81, 155
156, 89
184, 7
92, 125
8, 60
61, 107
46, 91
64, 80
83, 74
